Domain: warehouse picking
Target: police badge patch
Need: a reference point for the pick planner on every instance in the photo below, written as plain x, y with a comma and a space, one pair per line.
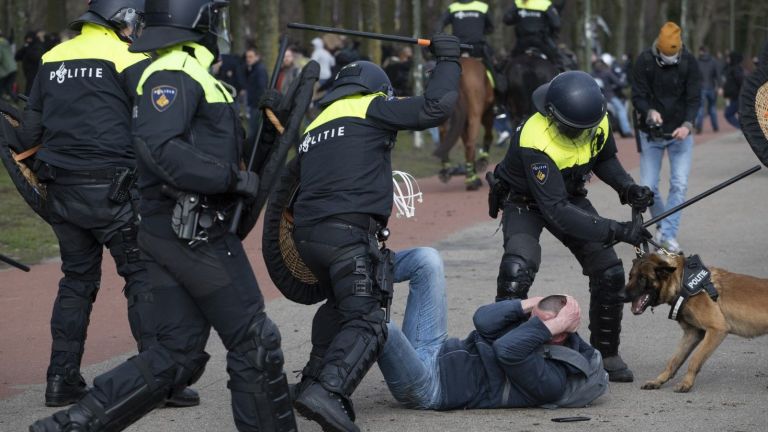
163, 97
540, 172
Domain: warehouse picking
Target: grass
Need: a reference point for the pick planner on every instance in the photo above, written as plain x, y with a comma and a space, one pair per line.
27, 238
23, 235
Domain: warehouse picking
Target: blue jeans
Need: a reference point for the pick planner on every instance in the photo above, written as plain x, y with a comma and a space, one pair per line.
731, 112
709, 98
680, 166
409, 358
621, 114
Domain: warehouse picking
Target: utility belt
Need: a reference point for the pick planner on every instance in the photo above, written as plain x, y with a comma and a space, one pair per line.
121, 179
382, 258
197, 218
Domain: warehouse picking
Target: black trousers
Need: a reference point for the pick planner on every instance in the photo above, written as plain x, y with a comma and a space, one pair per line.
544, 44
194, 289
84, 221
521, 222
348, 331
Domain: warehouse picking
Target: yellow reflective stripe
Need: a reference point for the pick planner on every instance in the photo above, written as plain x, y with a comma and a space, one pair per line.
178, 60
351, 106
475, 6
95, 43
539, 134
537, 5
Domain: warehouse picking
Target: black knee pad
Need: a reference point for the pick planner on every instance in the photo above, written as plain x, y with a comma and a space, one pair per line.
262, 346
190, 369
608, 286
515, 278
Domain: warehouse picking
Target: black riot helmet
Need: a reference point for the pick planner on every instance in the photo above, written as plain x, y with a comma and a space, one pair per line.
118, 14
170, 22
572, 99
360, 77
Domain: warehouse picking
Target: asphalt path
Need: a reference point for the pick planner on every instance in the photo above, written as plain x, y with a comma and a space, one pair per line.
731, 393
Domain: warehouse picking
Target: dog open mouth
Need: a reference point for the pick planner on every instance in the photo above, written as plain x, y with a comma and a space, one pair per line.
641, 303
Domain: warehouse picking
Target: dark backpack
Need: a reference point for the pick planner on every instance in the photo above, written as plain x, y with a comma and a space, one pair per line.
582, 388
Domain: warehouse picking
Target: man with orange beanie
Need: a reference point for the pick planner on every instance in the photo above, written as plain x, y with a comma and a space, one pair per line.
666, 91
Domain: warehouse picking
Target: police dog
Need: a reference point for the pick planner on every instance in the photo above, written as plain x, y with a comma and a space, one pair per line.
741, 309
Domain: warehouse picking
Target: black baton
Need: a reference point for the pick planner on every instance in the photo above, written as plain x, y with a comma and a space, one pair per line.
14, 263
369, 35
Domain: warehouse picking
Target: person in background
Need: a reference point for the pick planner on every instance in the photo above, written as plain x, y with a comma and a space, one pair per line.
609, 83
710, 81
255, 85
30, 55
7, 68
324, 59
288, 72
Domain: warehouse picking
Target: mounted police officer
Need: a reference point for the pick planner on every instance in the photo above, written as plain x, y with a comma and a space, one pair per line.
471, 21
80, 105
541, 184
341, 210
188, 140
537, 24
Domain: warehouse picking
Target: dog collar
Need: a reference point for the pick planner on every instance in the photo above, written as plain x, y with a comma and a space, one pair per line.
695, 279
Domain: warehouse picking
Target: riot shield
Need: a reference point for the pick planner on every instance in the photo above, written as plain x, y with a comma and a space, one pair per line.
19, 165
753, 109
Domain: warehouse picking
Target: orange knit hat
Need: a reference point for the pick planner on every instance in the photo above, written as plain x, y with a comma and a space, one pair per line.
669, 42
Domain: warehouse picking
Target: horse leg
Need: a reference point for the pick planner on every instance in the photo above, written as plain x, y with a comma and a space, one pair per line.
472, 181
484, 153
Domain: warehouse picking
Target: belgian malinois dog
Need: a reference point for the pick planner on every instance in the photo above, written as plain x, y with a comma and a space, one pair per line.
741, 308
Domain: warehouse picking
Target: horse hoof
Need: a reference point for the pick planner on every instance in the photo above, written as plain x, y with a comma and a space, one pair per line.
474, 184
444, 175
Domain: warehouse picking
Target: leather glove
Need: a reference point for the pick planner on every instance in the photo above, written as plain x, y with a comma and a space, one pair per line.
445, 47
247, 184
271, 99
630, 232
639, 197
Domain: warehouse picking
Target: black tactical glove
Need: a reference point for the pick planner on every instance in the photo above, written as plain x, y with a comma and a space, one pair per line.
271, 99
639, 197
247, 184
445, 47
630, 232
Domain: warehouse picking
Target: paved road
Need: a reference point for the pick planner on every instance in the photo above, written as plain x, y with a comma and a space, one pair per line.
731, 393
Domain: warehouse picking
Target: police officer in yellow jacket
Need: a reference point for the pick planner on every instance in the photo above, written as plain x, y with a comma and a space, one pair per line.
80, 107
471, 21
188, 140
541, 184
537, 24
342, 206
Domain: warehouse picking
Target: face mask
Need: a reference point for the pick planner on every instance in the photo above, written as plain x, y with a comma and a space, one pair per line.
669, 60
568, 131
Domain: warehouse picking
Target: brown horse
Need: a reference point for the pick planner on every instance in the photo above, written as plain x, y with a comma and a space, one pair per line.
473, 110
524, 74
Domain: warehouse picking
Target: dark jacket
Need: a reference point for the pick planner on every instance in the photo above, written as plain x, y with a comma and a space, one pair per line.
548, 170
536, 18
84, 96
29, 55
232, 71
255, 83
674, 91
709, 70
187, 134
608, 81
345, 154
497, 365
470, 20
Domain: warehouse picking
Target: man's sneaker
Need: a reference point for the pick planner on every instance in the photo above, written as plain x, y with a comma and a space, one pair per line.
618, 371
671, 245
502, 138
65, 389
183, 398
331, 410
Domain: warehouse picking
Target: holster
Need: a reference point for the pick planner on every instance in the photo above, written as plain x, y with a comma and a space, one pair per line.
186, 213
122, 183
499, 189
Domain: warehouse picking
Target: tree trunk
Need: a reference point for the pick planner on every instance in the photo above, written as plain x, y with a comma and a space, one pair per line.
372, 19
236, 26
620, 28
55, 16
640, 11
267, 31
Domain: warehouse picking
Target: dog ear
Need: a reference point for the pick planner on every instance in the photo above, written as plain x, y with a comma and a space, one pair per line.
664, 271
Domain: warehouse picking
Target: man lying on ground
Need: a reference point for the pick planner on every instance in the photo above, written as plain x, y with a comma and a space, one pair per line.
522, 353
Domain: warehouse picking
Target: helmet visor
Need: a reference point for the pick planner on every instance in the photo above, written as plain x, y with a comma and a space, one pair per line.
130, 22
213, 18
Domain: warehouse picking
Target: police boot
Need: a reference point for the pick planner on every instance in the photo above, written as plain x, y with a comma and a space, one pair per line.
605, 327
472, 182
333, 411
65, 388
183, 398
309, 374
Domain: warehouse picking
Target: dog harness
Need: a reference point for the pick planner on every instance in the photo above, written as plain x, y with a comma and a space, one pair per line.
696, 278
